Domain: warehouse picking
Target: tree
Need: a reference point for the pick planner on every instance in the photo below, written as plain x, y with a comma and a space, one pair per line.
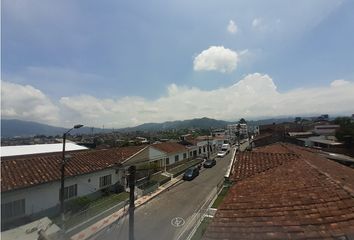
346, 127
242, 121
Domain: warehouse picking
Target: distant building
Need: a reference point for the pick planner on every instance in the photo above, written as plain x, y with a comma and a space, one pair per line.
239, 129
320, 142
325, 129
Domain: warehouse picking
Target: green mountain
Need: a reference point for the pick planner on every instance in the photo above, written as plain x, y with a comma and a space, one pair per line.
202, 123
19, 128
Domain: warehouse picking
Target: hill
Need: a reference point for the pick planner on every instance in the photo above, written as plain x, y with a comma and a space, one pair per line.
203, 123
19, 128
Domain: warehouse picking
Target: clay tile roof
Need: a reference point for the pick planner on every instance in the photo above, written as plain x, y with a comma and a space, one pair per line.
169, 147
273, 148
305, 197
25, 171
250, 163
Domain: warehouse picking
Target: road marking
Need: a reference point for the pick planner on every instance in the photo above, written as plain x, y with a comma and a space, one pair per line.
177, 222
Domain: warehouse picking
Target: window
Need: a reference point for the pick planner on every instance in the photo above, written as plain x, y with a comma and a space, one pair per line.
184, 155
176, 158
167, 161
200, 150
105, 181
13, 209
70, 191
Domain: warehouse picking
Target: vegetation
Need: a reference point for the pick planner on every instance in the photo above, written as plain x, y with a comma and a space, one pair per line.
93, 208
202, 228
242, 121
161, 179
220, 197
346, 128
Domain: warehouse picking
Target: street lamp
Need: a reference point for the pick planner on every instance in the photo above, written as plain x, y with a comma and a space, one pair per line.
62, 172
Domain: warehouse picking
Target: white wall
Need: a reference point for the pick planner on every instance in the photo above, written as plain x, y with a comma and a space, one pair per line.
45, 196
180, 158
155, 154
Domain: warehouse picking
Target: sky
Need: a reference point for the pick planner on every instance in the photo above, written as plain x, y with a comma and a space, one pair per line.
123, 63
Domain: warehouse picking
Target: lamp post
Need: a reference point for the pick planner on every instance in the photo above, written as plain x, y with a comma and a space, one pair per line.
62, 174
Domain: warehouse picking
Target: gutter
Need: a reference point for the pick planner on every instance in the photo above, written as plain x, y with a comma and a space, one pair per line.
229, 169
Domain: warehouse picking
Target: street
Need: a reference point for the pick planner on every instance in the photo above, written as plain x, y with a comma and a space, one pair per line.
164, 216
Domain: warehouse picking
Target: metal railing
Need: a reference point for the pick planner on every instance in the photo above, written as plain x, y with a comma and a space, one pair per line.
91, 214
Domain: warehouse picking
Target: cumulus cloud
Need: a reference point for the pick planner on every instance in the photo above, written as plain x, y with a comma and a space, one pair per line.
216, 58
232, 27
339, 82
27, 103
253, 96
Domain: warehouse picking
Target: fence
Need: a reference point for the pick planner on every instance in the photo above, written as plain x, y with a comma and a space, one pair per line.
80, 219
204, 210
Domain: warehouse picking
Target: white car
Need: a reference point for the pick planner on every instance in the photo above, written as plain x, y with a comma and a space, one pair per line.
221, 154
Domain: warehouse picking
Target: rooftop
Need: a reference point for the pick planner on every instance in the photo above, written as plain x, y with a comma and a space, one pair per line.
169, 147
296, 194
25, 171
38, 148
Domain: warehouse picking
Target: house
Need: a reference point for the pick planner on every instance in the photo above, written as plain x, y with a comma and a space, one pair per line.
320, 142
26, 179
219, 141
172, 152
282, 191
198, 146
328, 129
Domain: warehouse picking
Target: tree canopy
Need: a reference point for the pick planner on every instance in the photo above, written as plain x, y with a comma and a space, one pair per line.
242, 120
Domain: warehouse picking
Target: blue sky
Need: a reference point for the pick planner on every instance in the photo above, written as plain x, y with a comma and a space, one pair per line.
77, 60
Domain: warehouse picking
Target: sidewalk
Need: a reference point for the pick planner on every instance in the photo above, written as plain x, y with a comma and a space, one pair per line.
107, 221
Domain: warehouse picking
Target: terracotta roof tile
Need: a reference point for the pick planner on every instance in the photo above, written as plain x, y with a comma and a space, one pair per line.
24, 171
300, 197
249, 163
169, 147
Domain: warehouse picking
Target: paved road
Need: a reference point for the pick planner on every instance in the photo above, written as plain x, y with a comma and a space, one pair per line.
153, 220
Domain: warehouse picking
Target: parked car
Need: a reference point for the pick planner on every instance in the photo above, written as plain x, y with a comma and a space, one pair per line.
225, 148
209, 163
191, 173
221, 154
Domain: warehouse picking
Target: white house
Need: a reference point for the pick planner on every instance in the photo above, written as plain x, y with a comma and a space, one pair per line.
30, 184
172, 152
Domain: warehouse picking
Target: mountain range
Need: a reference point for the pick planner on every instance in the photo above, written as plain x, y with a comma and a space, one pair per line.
20, 128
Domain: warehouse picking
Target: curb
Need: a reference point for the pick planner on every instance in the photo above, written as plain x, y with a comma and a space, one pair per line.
124, 213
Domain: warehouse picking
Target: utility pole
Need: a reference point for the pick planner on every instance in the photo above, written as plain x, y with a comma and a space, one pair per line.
132, 170
208, 148
62, 176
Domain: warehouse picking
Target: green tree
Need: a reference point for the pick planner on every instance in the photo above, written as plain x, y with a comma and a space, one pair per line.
242, 121
346, 127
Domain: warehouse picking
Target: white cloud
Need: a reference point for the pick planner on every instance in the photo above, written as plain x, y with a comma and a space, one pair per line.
216, 58
339, 82
27, 103
232, 27
256, 22
255, 95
